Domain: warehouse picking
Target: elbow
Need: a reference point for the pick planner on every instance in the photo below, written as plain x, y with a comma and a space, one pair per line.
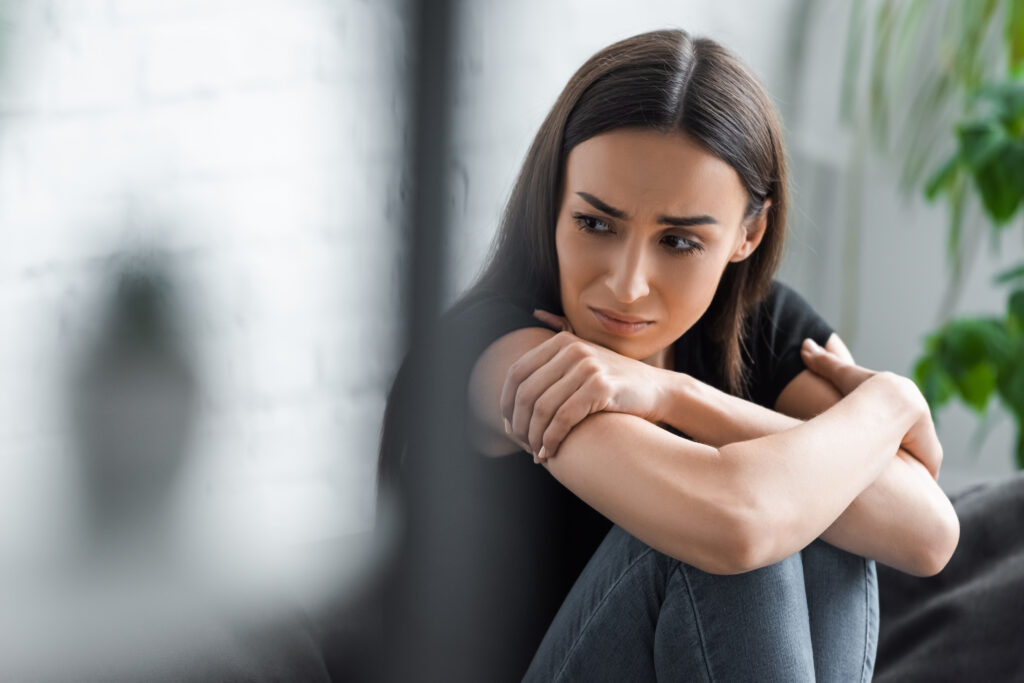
758, 543
755, 537
938, 547
742, 552
755, 531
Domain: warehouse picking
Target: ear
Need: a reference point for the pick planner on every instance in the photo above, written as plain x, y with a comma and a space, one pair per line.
755, 228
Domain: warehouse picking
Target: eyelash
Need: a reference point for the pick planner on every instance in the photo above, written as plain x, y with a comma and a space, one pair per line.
587, 224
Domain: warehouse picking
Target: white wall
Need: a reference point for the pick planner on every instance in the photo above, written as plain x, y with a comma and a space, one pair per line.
258, 144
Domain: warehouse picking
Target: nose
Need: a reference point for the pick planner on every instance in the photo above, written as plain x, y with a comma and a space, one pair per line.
628, 277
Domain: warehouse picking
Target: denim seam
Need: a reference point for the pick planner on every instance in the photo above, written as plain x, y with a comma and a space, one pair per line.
597, 608
697, 621
865, 674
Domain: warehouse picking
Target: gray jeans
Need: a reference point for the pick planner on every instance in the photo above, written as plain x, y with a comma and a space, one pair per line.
636, 614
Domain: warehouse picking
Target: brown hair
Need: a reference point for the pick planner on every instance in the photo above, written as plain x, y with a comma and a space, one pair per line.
666, 81
662, 80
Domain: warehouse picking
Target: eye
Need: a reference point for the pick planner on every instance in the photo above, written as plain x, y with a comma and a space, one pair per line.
681, 245
591, 224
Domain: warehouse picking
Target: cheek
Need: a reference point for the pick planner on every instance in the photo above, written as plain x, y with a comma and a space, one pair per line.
688, 290
572, 265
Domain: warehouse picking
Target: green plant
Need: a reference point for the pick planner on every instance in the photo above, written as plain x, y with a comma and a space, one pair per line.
968, 68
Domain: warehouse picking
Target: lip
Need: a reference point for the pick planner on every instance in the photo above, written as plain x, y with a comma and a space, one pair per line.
618, 324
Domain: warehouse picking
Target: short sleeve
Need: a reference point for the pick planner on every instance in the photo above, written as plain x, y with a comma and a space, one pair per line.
777, 330
480, 320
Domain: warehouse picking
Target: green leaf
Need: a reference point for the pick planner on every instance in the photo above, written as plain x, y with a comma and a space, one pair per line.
980, 141
966, 342
1015, 307
1007, 97
998, 185
1011, 385
935, 383
1010, 275
977, 385
943, 178
1015, 40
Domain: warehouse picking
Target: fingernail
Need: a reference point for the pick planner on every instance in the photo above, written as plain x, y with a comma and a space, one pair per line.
541, 454
508, 426
536, 460
811, 345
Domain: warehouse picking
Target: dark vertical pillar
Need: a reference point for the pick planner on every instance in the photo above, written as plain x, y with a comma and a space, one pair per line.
433, 595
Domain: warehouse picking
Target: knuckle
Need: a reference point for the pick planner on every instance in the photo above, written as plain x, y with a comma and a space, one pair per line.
514, 372
542, 408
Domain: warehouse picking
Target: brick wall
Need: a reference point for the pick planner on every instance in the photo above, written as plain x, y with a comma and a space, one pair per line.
255, 145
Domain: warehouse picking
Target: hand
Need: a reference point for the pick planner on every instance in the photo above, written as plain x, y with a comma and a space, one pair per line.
557, 384
834, 364
837, 366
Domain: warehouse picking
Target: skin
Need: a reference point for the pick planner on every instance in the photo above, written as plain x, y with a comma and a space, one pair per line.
616, 253
750, 474
634, 265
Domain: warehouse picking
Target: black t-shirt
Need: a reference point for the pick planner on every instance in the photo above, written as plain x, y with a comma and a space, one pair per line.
538, 534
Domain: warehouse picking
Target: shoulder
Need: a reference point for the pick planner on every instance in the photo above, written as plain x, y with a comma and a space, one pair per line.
488, 315
782, 302
775, 330
780, 314
487, 332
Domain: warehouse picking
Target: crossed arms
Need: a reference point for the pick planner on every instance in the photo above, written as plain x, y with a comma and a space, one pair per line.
755, 485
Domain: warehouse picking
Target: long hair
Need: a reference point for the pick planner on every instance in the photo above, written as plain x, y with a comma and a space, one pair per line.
666, 81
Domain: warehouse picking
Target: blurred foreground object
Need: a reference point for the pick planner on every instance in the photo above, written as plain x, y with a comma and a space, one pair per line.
147, 592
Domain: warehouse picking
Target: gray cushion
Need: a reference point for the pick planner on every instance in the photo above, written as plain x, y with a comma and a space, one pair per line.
967, 622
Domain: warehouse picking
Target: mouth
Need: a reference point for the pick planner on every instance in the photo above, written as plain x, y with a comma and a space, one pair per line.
623, 326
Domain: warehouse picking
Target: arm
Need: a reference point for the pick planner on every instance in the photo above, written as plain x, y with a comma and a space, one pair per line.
728, 510
902, 519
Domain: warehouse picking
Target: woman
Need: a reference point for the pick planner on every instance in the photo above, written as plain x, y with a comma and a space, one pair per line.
646, 225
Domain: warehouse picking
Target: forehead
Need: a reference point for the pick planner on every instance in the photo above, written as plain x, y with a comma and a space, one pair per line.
646, 172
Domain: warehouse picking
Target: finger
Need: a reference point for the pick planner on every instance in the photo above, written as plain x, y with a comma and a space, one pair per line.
571, 413
934, 450
521, 444
817, 359
534, 386
843, 375
526, 366
836, 346
922, 442
551, 402
553, 321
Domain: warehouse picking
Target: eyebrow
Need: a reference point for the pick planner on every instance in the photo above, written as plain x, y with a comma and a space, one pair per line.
680, 221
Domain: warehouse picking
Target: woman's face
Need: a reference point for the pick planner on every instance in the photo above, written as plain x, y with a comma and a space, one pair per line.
648, 223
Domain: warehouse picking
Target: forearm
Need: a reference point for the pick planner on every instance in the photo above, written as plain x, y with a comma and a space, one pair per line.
902, 518
715, 418
806, 476
734, 509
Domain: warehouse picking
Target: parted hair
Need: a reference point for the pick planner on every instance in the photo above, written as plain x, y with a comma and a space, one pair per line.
666, 81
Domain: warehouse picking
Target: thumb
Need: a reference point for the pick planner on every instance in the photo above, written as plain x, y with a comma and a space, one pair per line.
818, 359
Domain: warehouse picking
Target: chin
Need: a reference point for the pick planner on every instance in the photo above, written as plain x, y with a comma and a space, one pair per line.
636, 350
